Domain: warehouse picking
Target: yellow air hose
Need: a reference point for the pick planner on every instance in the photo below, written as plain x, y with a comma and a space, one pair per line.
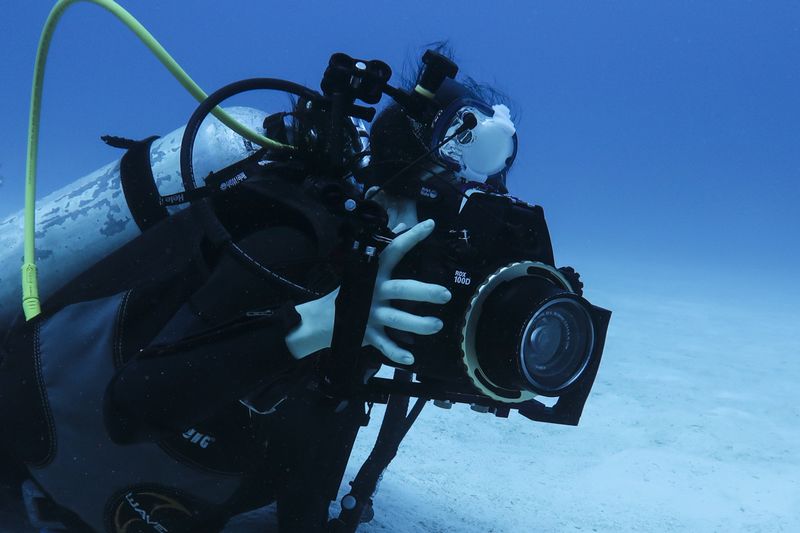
30, 291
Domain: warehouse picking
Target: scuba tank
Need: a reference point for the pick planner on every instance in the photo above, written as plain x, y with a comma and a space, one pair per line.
84, 221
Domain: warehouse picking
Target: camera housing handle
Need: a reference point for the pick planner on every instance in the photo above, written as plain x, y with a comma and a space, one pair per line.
344, 368
346, 80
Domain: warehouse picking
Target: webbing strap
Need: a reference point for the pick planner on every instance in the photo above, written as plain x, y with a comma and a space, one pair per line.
139, 185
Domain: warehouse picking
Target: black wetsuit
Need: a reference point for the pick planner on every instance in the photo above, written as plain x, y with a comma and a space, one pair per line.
187, 348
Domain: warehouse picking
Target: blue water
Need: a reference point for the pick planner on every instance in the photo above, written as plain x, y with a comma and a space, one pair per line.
652, 134
663, 141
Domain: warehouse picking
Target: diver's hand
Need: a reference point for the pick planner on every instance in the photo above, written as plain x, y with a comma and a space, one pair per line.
382, 314
315, 330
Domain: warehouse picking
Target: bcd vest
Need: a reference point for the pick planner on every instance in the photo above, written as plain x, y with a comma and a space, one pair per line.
72, 353
118, 489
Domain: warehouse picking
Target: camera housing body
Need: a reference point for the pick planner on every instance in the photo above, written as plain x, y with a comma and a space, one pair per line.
494, 253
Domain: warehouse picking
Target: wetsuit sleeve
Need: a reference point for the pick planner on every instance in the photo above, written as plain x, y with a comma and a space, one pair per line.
213, 352
170, 388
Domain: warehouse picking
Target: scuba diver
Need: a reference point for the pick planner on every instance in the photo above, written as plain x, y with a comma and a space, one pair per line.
191, 395
224, 356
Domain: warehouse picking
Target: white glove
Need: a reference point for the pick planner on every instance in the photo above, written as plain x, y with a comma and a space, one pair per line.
382, 314
315, 330
316, 327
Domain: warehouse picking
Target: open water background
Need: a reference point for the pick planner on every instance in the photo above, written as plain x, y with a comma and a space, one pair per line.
661, 138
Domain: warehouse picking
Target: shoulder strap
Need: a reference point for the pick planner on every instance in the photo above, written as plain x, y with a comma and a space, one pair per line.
138, 183
278, 186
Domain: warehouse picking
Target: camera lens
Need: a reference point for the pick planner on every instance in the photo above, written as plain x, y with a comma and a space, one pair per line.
556, 344
534, 336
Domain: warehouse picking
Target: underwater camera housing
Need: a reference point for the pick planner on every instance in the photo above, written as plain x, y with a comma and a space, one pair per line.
515, 330
516, 326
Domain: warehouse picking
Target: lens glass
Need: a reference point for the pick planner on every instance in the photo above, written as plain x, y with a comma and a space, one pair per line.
556, 344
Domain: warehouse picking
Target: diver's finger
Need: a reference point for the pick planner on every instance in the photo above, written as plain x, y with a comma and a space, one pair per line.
401, 227
388, 347
411, 289
403, 243
394, 318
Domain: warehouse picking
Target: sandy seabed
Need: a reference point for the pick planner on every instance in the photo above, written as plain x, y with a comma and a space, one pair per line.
693, 425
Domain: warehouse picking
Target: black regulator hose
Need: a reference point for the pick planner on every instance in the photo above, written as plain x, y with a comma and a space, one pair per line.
216, 98
202, 207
